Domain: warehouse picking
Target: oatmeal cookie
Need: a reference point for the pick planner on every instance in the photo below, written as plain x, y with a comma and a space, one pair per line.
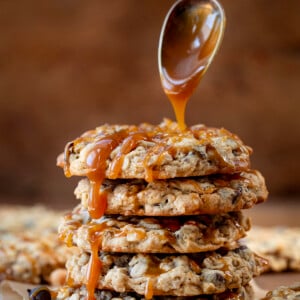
154, 235
156, 152
284, 293
176, 275
279, 245
37, 218
186, 196
245, 293
30, 250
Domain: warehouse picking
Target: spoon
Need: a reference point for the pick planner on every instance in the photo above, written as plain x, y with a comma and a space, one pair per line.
190, 37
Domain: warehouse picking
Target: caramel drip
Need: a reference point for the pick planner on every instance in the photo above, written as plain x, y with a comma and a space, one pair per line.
67, 236
157, 152
162, 148
149, 288
179, 100
153, 271
95, 264
94, 270
69, 280
189, 39
97, 203
96, 162
128, 144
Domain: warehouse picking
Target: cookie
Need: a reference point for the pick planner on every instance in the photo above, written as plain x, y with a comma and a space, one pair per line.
177, 275
284, 293
245, 293
37, 218
279, 245
154, 152
186, 196
154, 235
30, 250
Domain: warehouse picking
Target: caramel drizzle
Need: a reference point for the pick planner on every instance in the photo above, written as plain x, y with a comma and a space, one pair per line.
126, 140
95, 264
96, 161
94, 269
128, 144
149, 289
189, 39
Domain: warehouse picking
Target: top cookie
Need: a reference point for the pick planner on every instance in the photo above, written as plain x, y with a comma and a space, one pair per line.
154, 152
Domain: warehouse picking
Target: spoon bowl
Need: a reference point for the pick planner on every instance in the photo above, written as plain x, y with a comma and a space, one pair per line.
190, 37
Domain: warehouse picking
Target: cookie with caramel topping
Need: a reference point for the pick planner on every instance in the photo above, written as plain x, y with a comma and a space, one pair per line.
245, 293
154, 235
176, 275
185, 196
154, 152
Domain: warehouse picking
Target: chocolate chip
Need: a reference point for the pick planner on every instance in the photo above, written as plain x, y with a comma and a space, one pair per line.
236, 195
243, 247
236, 152
39, 293
219, 278
122, 261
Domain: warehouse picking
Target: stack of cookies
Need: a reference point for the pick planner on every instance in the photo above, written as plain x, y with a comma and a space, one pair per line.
160, 214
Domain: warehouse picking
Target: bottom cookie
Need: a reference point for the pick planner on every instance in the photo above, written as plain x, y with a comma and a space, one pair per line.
177, 275
65, 293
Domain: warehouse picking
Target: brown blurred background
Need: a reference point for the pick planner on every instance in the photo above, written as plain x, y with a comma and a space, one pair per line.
69, 65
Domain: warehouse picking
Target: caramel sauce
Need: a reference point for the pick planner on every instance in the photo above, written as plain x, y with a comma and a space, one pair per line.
67, 238
96, 159
152, 272
158, 153
69, 280
149, 289
94, 270
97, 202
129, 143
96, 162
95, 264
189, 40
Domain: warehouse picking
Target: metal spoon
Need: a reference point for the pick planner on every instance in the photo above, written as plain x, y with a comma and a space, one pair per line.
189, 39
